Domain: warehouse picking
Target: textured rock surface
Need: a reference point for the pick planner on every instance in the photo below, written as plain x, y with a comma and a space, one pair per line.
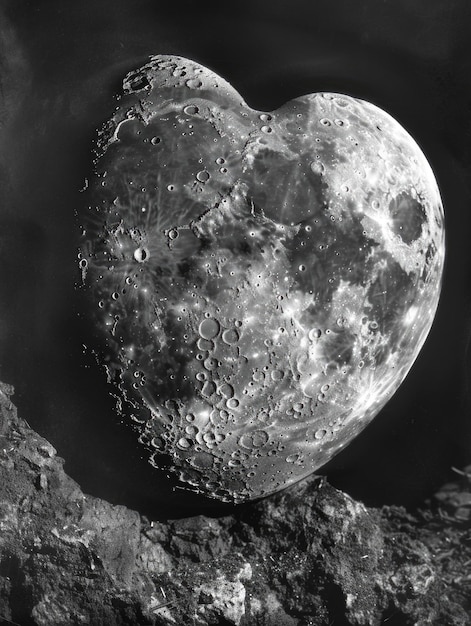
261, 282
308, 556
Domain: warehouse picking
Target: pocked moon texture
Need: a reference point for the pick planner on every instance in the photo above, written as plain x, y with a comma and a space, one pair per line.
260, 283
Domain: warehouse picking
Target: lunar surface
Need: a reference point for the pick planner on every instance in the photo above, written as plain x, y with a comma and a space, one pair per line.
259, 283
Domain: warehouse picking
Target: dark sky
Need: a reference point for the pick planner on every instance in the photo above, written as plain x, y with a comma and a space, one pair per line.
60, 64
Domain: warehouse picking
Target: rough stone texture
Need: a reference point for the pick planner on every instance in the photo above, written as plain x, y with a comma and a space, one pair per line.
307, 556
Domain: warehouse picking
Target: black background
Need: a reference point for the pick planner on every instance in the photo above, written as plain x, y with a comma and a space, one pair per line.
61, 62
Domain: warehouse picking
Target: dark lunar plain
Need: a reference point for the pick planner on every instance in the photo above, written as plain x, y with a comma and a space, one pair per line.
61, 64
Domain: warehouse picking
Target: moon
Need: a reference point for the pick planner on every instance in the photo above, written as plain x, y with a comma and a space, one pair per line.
258, 283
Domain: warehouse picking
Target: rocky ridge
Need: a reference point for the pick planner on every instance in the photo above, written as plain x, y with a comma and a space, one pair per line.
310, 555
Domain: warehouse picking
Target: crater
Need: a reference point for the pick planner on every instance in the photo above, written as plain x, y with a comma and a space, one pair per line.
407, 217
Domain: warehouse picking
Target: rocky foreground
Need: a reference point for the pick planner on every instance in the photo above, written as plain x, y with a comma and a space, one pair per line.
310, 555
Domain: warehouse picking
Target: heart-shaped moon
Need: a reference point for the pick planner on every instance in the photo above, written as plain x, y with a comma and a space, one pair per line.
261, 282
